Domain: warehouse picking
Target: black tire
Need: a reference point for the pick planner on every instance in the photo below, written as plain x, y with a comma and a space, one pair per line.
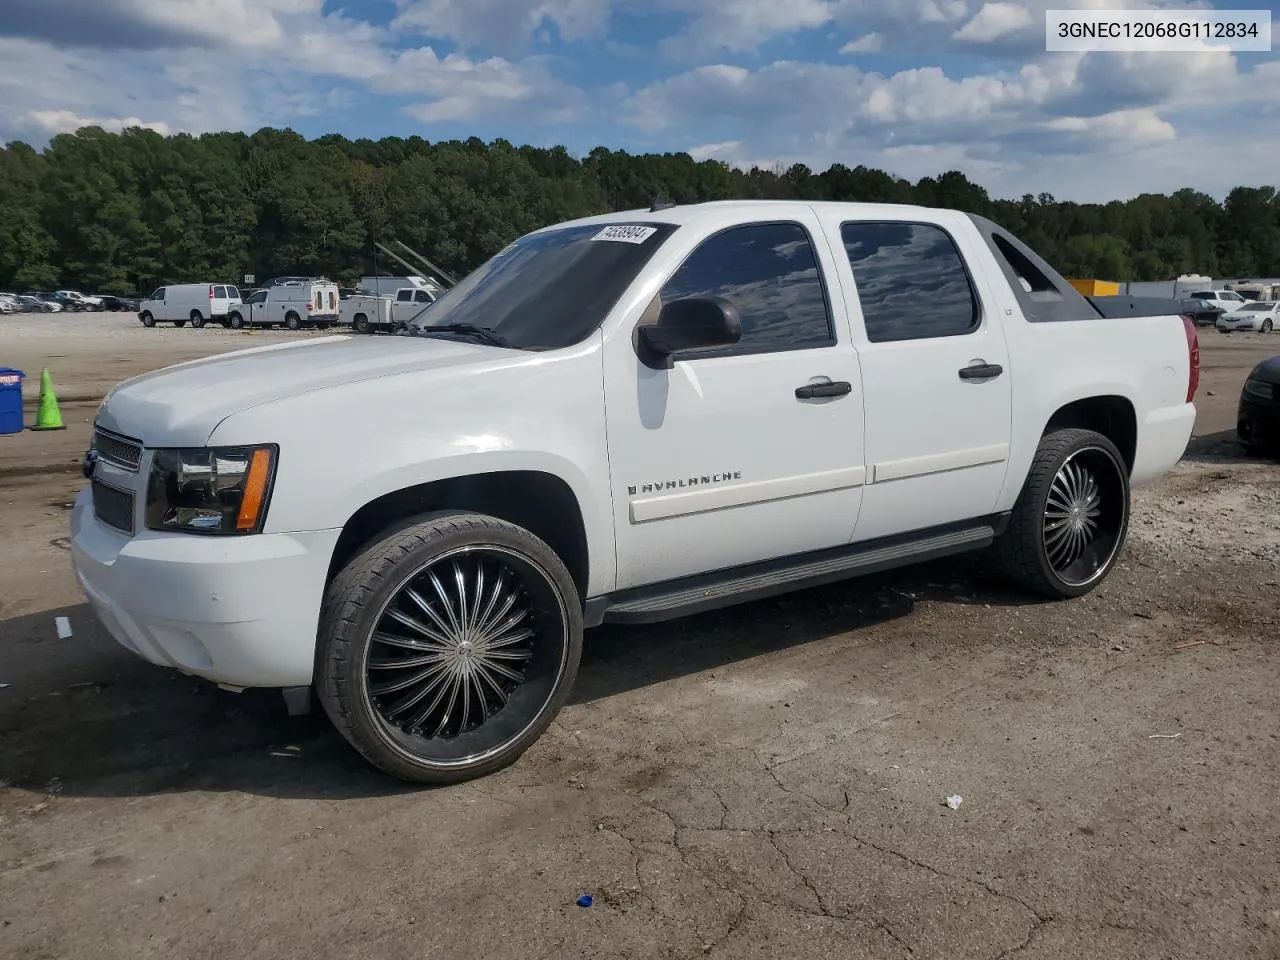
1266, 325
235, 321
292, 321
179, 323
361, 323
197, 320
532, 606
1038, 548
147, 320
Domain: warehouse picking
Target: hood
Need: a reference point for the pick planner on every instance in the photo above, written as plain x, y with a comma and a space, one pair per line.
181, 405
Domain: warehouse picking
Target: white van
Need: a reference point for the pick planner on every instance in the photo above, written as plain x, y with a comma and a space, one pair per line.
308, 304
195, 302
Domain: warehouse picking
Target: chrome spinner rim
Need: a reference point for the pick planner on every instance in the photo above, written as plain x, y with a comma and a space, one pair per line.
1084, 516
465, 655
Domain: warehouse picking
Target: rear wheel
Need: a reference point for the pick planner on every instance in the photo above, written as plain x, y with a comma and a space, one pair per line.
361, 323
147, 320
292, 321
448, 647
197, 320
1071, 518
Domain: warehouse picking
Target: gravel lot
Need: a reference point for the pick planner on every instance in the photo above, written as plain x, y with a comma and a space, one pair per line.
766, 781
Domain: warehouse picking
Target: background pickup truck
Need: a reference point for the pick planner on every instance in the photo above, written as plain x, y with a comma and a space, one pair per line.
623, 419
367, 312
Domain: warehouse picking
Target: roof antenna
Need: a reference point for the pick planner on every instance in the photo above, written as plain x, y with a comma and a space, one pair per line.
660, 202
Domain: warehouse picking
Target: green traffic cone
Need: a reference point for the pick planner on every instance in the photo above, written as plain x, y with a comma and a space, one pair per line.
48, 417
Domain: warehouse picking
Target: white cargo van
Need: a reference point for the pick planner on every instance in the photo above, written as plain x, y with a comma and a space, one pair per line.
195, 302
312, 303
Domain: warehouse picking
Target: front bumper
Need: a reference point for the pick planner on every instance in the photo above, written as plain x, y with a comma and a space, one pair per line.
242, 611
1234, 326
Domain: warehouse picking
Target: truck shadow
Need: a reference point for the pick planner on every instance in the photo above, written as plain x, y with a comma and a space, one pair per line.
83, 717
1220, 448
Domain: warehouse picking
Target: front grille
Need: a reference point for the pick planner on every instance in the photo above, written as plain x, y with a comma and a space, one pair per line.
113, 506
116, 449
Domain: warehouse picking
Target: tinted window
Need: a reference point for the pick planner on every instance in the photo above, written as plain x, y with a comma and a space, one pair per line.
911, 281
157, 295
1202, 295
550, 289
769, 272
404, 296
233, 293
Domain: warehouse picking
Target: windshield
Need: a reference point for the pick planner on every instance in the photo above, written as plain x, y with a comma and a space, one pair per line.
550, 290
1258, 306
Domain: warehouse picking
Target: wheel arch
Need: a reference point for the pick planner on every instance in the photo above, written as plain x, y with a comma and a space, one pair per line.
540, 502
1111, 415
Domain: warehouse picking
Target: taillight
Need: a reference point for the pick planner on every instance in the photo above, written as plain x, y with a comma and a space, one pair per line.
1193, 353
211, 293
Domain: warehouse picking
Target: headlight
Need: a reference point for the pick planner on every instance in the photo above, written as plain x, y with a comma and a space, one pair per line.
210, 489
1256, 388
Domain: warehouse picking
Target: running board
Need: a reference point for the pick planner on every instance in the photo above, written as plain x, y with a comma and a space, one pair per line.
689, 595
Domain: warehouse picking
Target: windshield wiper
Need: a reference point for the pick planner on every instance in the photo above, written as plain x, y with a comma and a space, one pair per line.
469, 329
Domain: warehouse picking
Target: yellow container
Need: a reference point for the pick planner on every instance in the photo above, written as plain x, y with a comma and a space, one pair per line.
1097, 288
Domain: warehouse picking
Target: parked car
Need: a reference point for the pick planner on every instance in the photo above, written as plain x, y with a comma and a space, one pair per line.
1260, 316
34, 304
1202, 312
197, 303
1258, 411
621, 419
119, 303
75, 296
293, 305
1228, 300
10, 304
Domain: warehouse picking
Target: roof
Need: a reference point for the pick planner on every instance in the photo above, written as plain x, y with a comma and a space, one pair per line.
765, 209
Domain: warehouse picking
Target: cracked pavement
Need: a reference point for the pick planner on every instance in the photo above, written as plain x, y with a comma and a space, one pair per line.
762, 782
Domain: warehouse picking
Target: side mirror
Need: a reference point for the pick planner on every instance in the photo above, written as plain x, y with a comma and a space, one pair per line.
695, 323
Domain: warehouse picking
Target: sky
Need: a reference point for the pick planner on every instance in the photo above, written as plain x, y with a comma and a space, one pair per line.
915, 87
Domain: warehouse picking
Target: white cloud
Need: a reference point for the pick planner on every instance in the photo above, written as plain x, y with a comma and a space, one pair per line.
995, 20
741, 25
1009, 128
502, 26
869, 43
305, 64
65, 121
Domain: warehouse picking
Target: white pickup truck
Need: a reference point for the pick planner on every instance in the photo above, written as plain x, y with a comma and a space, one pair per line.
367, 312
625, 418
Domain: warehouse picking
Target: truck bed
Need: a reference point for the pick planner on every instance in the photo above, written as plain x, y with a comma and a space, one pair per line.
1118, 307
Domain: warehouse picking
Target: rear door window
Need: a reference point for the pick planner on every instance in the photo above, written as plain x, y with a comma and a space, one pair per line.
912, 282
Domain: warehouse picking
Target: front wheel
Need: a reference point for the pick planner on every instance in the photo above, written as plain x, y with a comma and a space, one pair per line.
236, 321
1266, 325
147, 320
1071, 518
447, 647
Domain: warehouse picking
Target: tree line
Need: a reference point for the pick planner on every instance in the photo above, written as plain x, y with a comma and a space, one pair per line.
126, 212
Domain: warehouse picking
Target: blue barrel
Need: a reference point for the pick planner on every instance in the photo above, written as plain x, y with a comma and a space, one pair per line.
11, 400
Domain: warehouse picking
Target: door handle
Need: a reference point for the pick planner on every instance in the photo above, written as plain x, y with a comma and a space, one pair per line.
811, 390
981, 370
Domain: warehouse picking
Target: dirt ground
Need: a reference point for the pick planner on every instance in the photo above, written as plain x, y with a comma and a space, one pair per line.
767, 781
